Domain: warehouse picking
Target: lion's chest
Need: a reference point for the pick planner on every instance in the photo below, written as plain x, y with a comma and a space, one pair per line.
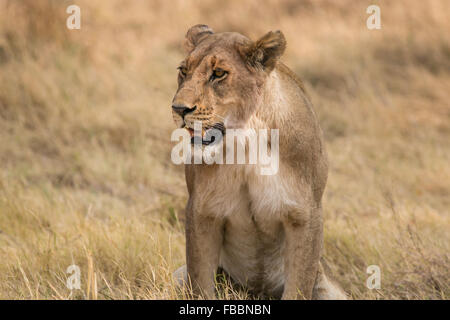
252, 251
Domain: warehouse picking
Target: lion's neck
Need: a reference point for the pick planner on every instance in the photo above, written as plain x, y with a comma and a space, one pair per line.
272, 110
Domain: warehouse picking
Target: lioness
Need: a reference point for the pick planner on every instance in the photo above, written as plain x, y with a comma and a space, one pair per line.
265, 231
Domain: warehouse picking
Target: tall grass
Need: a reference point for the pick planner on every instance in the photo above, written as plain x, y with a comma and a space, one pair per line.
85, 171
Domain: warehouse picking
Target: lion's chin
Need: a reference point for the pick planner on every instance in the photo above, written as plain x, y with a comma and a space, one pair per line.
206, 139
208, 136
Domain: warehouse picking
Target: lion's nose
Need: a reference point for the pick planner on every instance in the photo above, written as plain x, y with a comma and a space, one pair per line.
182, 110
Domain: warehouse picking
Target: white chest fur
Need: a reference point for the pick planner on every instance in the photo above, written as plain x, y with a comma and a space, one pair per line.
253, 246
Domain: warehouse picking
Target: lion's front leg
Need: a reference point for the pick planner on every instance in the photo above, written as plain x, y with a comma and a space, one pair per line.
203, 244
302, 253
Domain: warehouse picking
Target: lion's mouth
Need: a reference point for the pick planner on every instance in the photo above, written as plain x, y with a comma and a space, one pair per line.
208, 135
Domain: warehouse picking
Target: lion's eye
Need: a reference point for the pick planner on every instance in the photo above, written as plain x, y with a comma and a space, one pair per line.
218, 73
183, 71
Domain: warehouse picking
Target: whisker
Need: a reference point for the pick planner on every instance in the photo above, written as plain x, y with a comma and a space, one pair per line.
215, 114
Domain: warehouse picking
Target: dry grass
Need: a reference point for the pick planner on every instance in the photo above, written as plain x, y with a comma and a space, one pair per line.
85, 172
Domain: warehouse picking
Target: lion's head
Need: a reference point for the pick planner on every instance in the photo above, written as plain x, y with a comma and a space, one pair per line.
220, 80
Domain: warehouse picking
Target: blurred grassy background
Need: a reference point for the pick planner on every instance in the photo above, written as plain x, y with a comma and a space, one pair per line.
85, 170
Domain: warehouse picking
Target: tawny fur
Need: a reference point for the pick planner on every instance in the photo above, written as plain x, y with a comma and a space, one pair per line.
265, 231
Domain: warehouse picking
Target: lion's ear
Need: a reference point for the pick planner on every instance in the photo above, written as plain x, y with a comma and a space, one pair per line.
195, 35
266, 51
